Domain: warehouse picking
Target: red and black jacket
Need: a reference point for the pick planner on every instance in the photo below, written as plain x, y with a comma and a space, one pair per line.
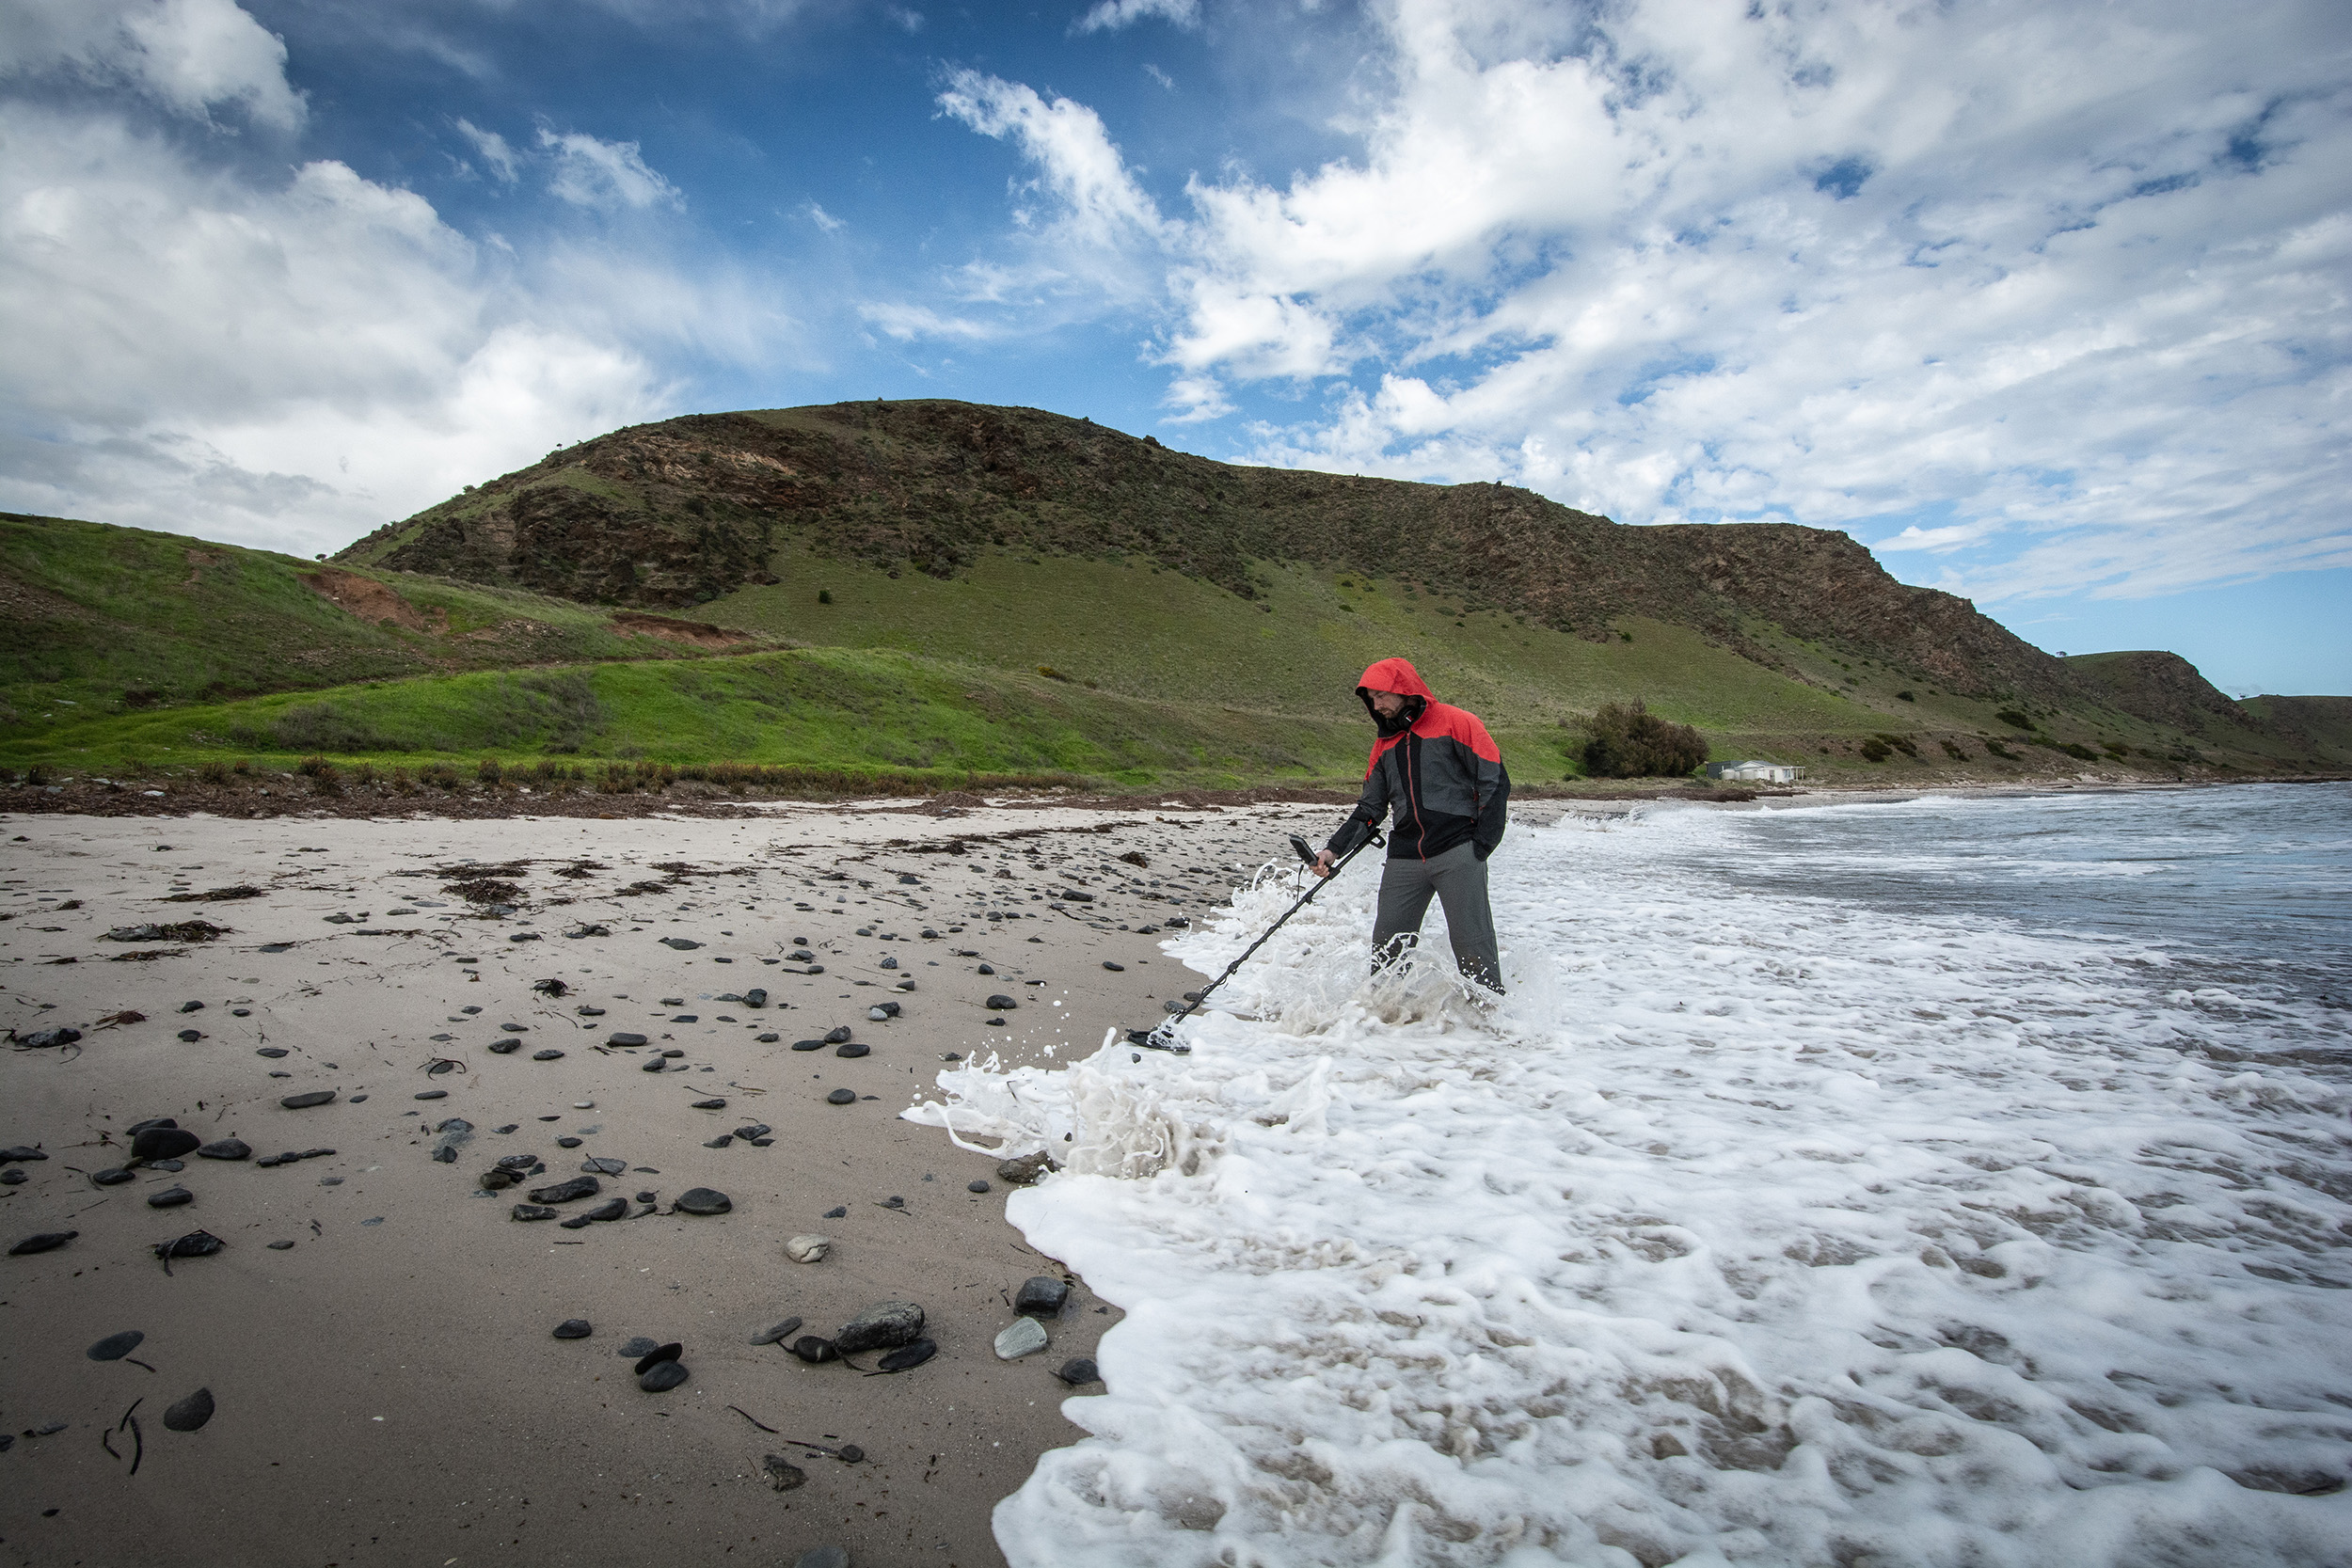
1435, 766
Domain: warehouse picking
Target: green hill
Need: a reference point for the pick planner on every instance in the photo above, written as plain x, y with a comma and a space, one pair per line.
924, 591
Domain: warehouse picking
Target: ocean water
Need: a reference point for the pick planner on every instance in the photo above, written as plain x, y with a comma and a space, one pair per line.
1957, 1183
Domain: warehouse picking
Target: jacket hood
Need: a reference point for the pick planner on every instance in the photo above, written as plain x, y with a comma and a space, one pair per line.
1395, 674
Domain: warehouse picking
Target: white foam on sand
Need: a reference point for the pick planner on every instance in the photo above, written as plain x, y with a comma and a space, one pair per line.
1749, 1229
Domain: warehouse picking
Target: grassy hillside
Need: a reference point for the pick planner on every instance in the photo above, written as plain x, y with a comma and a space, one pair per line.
113, 618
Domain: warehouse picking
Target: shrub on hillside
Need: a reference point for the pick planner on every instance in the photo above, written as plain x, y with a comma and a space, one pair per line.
2014, 719
1627, 741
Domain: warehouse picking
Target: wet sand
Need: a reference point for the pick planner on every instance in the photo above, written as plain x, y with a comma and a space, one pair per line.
387, 1388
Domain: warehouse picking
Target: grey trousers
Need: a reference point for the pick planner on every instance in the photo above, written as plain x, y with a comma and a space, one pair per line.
1456, 879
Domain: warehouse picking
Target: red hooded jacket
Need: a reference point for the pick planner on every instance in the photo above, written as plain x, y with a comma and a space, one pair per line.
1435, 766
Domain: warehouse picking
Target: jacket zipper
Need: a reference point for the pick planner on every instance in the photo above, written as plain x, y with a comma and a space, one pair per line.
1412, 793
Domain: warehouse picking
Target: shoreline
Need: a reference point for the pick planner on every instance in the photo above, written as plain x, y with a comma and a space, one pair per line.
389, 1388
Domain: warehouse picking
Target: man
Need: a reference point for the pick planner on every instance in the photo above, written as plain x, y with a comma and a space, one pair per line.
1442, 774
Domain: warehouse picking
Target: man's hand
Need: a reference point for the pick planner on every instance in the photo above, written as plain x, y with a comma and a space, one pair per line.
1323, 862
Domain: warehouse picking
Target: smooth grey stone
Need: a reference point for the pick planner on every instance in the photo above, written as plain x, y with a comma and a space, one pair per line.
842, 1097
170, 1197
597, 1165
547, 1055
752, 1129
273, 1051
722, 1141
703, 1201
665, 1375
683, 944
637, 1345
977, 1187
577, 1221
589, 1012
780, 1332
985, 969
813, 1351
657, 1356
574, 1329
569, 1142
22, 1152
445, 1156
836, 1035
45, 1241
808, 1045
625, 1038
1078, 1369
226, 1148
654, 1066
190, 1414
768, 1039
564, 1192
191, 1035
840, 1212
168, 1166
13, 1177
1041, 1295
505, 1047
852, 1050
755, 998
281, 1246
1001, 1003
191, 1007
430, 1094
879, 1326
673, 1055
515, 1028
532, 1212
1024, 1338
612, 1209
454, 1124
164, 1143
684, 1017
305, 1100
114, 1347
710, 1106
498, 1180
516, 1161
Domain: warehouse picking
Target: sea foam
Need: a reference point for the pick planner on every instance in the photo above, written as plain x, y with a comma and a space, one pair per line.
1748, 1228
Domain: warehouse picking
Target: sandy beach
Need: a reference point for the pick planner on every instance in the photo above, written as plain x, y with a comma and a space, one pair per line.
377, 1332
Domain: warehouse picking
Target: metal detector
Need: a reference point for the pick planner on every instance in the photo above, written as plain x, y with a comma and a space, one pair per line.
1163, 1037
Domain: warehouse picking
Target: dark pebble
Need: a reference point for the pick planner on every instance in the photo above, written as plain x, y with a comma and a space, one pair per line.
577, 1222
359, 1100
710, 1106
445, 1156
722, 1141
45, 1241
1041, 1295
191, 1035
995, 1023
515, 1028
22, 1152
431, 1094
1078, 1369
42, 1039
190, 1413
985, 969
114, 1347
1116, 969
454, 1124
782, 1331
532, 1212
836, 1036
840, 1212
505, 1047
569, 1142
842, 1097
170, 1197
281, 1246
272, 1051
226, 1148
673, 1054
191, 1007
657, 1356
624, 1039
852, 1050
752, 1129
574, 1329
1002, 1003
549, 1055
508, 1128
164, 1143
813, 1351
564, 1192
174, 1165
654, 1066
612, 1209
596, 1167
975, 1187
1027, 1169
666, 1375
755, 998
704, 1201
879, 1327
907, 1356
113, 1177
768, 1039
808, 1045
683, 944
304, 1101
782, 1473
498, 1180
637, 1345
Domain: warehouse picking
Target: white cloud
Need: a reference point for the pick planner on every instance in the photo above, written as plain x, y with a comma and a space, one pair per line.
1162, 77
822, 218
189, 56
2071, 274
1111, 15
604, 175
494, 150
907, 323
286, 363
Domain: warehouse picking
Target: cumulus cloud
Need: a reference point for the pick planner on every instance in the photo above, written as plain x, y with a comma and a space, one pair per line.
286, 360
188, 56
1107, 16
2059, 286
605, 176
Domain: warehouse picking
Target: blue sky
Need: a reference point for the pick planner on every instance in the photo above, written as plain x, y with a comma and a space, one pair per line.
2044, 302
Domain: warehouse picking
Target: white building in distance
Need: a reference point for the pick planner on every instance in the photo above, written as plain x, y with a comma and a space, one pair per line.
1755, 772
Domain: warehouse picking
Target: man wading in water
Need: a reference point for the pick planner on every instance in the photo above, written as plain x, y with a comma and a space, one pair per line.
1440, 771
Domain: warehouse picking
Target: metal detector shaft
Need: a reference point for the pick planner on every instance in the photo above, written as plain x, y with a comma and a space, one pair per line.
1161, 1031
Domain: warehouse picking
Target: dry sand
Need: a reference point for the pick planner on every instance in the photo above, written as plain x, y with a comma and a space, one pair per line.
387, 1388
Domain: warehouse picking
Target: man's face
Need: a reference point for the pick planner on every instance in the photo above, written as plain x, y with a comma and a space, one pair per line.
1388, 705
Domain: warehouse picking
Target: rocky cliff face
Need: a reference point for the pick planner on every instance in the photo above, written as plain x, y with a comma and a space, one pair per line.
678, 512
2161, 685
